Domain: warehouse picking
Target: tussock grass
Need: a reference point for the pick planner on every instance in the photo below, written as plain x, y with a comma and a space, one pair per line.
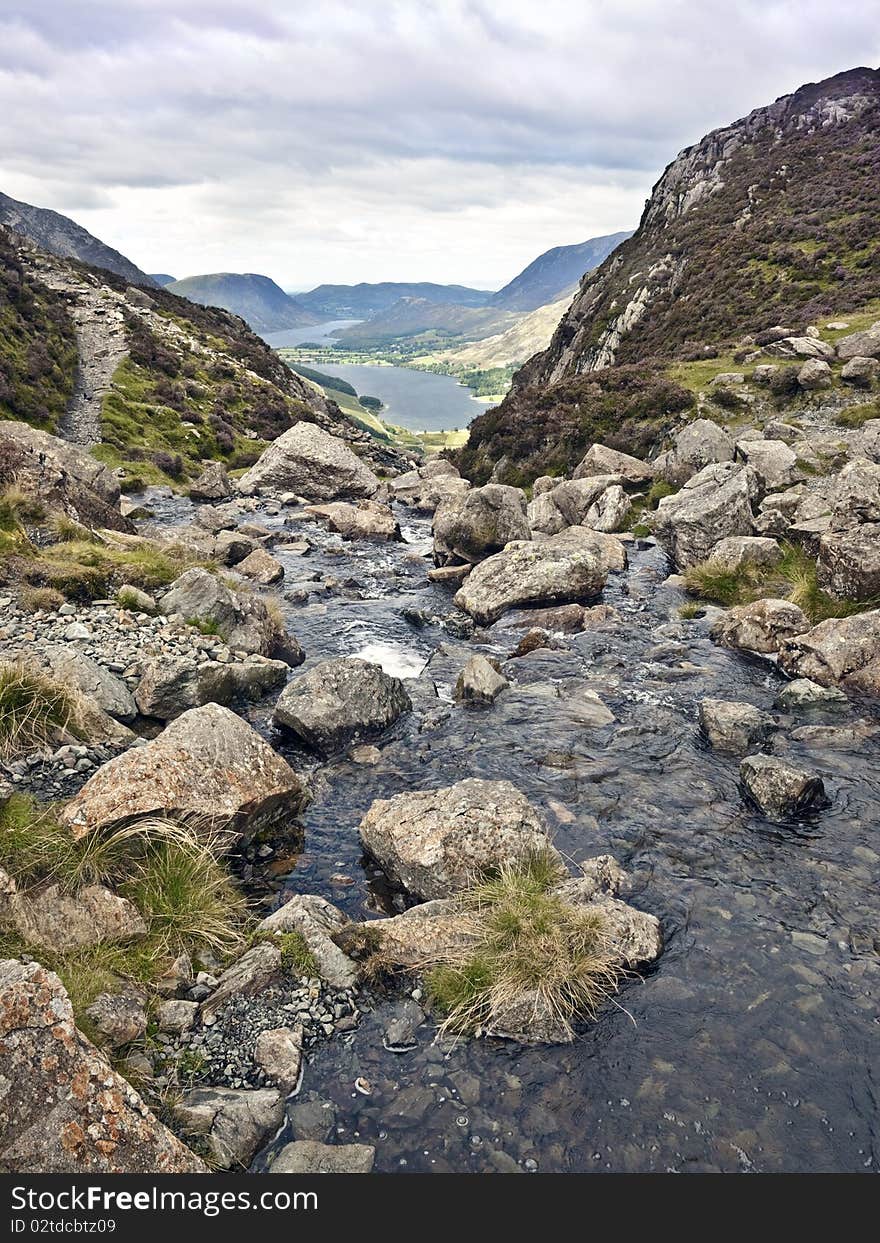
34, 708
856, 416
66, 530
530, 946
40, 599
126, 599
84, 566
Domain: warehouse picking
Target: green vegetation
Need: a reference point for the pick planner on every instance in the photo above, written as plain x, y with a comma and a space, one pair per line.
34, 708
296, 957
855, 416
127, 598
485, 381
530, 947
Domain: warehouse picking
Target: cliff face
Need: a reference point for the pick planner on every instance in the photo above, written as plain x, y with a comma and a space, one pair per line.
773, 218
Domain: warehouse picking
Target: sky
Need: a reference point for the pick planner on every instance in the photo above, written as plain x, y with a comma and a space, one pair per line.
341, 141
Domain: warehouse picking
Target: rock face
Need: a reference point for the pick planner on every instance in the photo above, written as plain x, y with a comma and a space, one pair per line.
63, 1109
433, 842
566, 568
233, 1123
317, 921
478, 523
714, 504
600, 460
842, 651
212, 484
307, 1156
849, 562
366, 520
779, 789
762, 626
208, 767
696, 446
479, 682
734, 727
312, 463
339, 700
740, 551
243, 621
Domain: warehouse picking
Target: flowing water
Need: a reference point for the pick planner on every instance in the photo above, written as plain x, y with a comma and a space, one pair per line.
753, 1043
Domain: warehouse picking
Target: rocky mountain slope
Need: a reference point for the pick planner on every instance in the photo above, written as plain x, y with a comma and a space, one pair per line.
555, 273
372, 298
67, 239
411, 318
257, 299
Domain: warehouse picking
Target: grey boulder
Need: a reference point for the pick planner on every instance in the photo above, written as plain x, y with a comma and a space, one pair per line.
309, 461
339, 700
779, 789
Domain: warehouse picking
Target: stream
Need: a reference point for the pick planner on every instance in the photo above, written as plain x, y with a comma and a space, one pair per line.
753, 1044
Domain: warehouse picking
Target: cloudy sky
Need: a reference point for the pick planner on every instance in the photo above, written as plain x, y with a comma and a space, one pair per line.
346, 140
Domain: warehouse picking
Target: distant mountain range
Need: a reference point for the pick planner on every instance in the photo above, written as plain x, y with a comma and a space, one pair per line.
63, 237
257, 299
162, 278
555, 273
365, 300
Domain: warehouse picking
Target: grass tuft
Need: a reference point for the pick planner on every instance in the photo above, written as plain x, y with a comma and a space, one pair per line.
34, 708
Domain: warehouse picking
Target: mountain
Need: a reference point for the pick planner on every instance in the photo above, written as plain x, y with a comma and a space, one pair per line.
555, 273
773, 220
162, 278
531, 331
63, 237
363, 300
418, 317
257, 299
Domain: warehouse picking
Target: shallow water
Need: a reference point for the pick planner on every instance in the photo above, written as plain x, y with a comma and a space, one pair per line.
753, 1044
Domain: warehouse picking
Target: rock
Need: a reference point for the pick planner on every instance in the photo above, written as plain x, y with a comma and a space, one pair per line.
232, 1123
842, 651
215, 518
366, 520
565, 568
212, 484
764, 373
317, 921
774, 462
714, 504
306, 1156
479, 682
76, 632
279, 1054
312, 463
734, 727
170, 686
176, 1016
762, 626
597, 502
800, 347
433, 842
600, 460
531, 641
208, 767
261, 567
696, 446
63, 1109
849, 562
802, 693
815, 374
250, 974
860, 372
449, 573
119, 1017
110, 693
60, 922
242, 620
423, 933
856, 496
231, 547
737, 552
314, 1119
478, 523
776, 429
566, 619
136, 600
860, 344
339, 700
779, 789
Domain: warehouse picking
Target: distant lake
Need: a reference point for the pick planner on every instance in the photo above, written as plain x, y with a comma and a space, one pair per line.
319, 333
417, 400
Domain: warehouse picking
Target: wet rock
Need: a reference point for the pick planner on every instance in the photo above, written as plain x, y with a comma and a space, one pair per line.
778, 788
312, 463
170, 686
836, 737
802, 693
566, 619
400, 1033
120, 1018
849, 562
339, 700
249, 974
213, 484
232, 1123
696, 446
531, 641
242, 620
762, 626
842, 651
92, 679
176, 1016
714, 504
314, 1119
564, 568
479, 682
740, 551
317, 921
306, 1156
60, 922
208, 767
478, 523
279, 1054
63, 1109
449, 573
734, 727
600, 460
366, 520
860, 344
433, 842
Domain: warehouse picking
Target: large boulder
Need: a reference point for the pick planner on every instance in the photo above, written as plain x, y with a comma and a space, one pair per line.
208, 767
698, 445
365, 520
63, 1108
842, 651
109, 692
779, 789
815, 374
339, 700
715, 503
60, 922
242, 620
171, 685
762, 626
856, 495
739, 552
213, 483
860, 372
734, 727
774, 462
596, 501
849, 562
600, 460
433, 842
563, 569
478, 523
312, 463
261, 568
860, 344
800, 347
428, 485
231, 1122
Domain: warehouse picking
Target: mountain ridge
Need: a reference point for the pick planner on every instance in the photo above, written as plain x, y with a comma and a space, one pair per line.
256, 298
555, 273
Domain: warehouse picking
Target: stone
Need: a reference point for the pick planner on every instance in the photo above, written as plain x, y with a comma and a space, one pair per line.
231, 547
212, 484
136, 600
231, 1122
860, 344
306, 1156
170, 686
596, 501
565, 619
479, 682
249, 974
261, 567
208, 767
800, 347
242, 620
600, 460
63, 1108
714, 504
566, 568
339, 700
58, 921
317, 921
868, 443
762, 626
802, 693
779, 789
315, 1119
856, 496
734, 727
110, 693
738, 552
176, 1016
849, 562
815, 374
774, 462
433, 842
365, 520
842, 651
119, 1018
860, 372
478, 523
696, 446
309, 461
279, 1054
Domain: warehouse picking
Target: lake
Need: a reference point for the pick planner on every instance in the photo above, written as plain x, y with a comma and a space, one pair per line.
417, 400
319, 333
